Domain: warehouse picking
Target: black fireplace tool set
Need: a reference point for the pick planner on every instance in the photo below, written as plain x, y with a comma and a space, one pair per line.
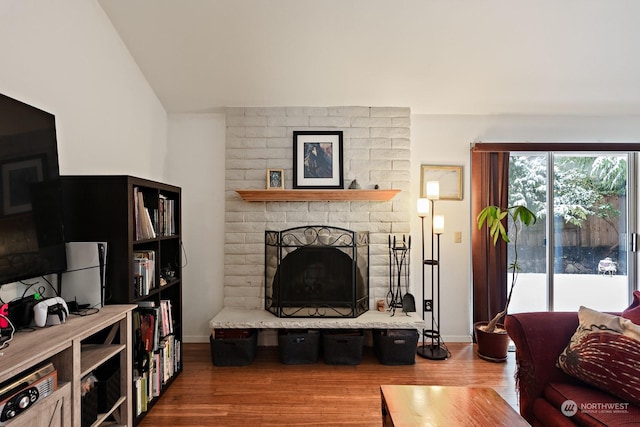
399, 255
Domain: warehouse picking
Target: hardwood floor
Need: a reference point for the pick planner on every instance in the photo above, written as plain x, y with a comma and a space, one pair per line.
269, 393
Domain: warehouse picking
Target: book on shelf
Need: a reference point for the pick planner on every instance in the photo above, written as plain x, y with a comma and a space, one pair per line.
143, 222
137, 393
146, 304
156, 383
164, 216
144, 396
155, 323
148, 331
167, 318
136, 214
144, 272
171, 222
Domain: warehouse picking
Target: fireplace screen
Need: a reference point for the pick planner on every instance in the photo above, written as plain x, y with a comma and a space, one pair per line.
316, 271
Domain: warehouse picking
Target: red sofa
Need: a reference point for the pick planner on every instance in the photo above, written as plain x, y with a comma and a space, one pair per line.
544, 388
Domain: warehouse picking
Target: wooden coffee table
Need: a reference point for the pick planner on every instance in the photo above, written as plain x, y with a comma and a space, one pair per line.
411, 405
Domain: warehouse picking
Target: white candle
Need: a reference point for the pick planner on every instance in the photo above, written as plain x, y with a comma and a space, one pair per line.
438, 224
423, 207
433, 190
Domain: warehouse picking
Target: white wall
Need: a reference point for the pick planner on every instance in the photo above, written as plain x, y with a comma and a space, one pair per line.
446, 140
196, 163
65, 57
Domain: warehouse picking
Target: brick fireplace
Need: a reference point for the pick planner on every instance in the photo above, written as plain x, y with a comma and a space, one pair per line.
376, 152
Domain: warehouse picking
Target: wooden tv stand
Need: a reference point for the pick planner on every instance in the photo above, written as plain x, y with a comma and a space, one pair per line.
76, 348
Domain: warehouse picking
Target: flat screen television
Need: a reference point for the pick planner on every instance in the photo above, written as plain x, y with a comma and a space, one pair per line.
31, 220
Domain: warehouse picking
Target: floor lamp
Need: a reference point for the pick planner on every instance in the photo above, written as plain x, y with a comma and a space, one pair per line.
432, 350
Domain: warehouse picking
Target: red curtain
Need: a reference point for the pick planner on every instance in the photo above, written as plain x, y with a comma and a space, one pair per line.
489, 186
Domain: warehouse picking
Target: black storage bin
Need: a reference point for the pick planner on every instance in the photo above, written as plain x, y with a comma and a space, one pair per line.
342, 346
89, 407
298, 347
108, 384
233, 347
395, 346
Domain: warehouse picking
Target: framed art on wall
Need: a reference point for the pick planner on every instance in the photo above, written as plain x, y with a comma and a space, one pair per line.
275, 179
449, 177
317, 159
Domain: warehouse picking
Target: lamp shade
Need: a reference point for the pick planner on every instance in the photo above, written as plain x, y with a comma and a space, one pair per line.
433, 190
423, 207
438, 224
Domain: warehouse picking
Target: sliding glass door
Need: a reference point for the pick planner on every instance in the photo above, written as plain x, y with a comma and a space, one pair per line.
578, 251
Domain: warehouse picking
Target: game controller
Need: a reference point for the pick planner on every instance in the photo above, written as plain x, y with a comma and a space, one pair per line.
51, 311
4, 311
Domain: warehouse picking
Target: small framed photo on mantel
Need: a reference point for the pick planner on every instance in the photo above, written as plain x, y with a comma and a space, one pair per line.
275, 179
317, 160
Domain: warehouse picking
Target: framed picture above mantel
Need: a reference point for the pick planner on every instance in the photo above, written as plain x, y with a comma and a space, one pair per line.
317, 160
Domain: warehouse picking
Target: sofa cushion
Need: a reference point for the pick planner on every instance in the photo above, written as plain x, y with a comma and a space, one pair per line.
548, 415
633, 311
592, 407
605, 352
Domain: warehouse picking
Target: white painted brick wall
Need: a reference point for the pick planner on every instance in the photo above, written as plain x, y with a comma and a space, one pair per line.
376, 151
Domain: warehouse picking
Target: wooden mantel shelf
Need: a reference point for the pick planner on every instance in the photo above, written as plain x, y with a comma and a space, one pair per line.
315, 195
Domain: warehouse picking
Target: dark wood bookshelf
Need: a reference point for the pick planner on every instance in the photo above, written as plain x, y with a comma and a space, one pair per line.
102, 208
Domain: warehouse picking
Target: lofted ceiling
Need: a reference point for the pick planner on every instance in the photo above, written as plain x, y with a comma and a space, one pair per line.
434, 56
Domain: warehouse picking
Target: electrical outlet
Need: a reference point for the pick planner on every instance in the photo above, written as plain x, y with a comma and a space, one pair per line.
428, 305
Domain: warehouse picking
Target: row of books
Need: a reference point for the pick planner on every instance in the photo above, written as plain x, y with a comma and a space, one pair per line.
164, 216
155, 322
144, 272
144, 226
162, 365
153, 222
156, 350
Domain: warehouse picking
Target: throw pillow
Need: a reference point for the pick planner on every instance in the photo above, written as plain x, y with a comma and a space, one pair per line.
633, 311
605, 352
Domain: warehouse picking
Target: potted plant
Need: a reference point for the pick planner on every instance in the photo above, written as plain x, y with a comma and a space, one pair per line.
491, 337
